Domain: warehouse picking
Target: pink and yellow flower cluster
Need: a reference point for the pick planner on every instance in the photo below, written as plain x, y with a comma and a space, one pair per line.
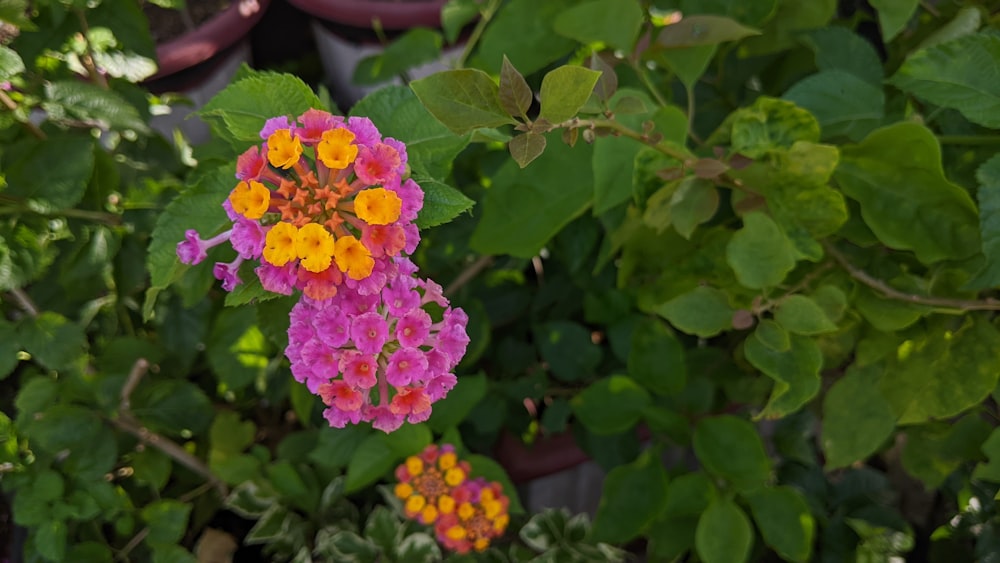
436, 490
324, 206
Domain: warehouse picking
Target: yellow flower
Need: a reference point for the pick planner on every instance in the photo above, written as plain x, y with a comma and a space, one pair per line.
454, 476
491, 508
250, 199
279, 244
415, 504
283, 150
500, 524
447, 460
446, 504
353, 258
378, 206
414, 465
481, 544
429, 514
466, 511
314, 245
403, 490
456, 533
336, 148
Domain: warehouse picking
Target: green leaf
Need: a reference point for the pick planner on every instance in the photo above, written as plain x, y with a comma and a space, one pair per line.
772, 335
515, 95
167, 520
524, 208
526, 147
568, 349
523, 31
893, 16
783, 517
611, 405
237, 350
922, 385
10, 63
689, 495
656, 359
724, 534
462, 100
199, 208
455, 14
413, 48
704, 311
769, 124
966, 22
544, 530
988, 195
430, 147
633, 496
695, 202
839, 48
53, 173
896, 176
274, 523
795, 373
801, 315
52, 340
932, 452
239, 111
250, 291
86, 102
960, 74
564, 91
990, 470
50, 540
419, 548
151, 467
452, 410
843, 104
442, 203
614, 22
856, 418
379, 452
336, 446
729, 447
886, 314
248, 500
696, 30
230, 434
172, 406
759, 253
689, 63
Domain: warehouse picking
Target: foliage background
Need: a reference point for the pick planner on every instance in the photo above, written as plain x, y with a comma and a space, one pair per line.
748, 258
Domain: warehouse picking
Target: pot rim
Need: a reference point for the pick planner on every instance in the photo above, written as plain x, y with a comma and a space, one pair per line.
392, 15
220, 32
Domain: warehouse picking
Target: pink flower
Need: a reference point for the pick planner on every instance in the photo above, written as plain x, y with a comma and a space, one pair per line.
376, 165
412, 196
274, 124
383, 240
406, 365
277, 280
413, 328
365, 132
369, 332
314, 123
332, 327
400, 300
433, 293
228, 273
247, 238
251, 164
339, 418
383, 419
400, 148
322, 360
359, 369
413, 403
438, 386
193, 249
341, 395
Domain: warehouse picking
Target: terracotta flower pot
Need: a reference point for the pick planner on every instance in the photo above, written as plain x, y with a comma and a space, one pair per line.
200, 63
344, 33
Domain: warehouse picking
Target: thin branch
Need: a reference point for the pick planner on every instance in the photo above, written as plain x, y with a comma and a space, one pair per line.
988, 304
467, 275
647, 82
88, 56
484, 18
667, 149
24, 301
10, 104
132, 544
690, 115
127, 422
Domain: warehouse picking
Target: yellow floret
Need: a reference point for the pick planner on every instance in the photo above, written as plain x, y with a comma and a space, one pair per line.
250, 199
283, 149
314, 245
378, 206
279, 244
336, 149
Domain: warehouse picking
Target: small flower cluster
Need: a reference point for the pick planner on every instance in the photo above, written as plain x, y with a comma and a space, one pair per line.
378, 357
317, 227
436, 490
324, 206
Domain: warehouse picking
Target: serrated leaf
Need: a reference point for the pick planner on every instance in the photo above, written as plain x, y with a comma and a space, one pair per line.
241, 109
564, 91
988, 195
960, 74
526, 147
442, 203
843, 104
52, 340
462, 100
92, 104
53, 173
10, 63
514, 93
897, 177
856, 417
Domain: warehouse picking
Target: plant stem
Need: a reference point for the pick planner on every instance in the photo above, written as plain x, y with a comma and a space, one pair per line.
24, 301
88, 56
10, 104
969, 139
467, 275
988, 304
644, 76
690, 115
109, 219
665, 148
484, 18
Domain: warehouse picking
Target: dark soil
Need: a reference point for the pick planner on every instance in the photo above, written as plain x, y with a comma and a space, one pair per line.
167, 24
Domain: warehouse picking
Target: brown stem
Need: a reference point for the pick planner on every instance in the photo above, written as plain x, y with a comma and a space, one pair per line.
88, 56
10, 104
988, 304
664, 148
127, 422
466, 275
24, 301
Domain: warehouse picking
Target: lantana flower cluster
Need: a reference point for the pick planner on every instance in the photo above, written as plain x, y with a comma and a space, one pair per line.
323, 206
436, 490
